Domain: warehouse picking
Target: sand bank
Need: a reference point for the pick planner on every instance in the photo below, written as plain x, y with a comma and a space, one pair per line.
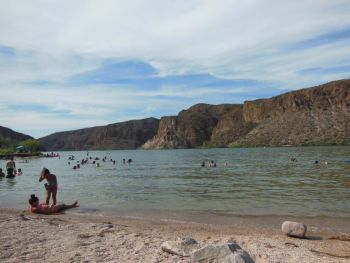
26, 237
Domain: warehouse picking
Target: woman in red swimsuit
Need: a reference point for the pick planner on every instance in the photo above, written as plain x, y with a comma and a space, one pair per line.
41, 208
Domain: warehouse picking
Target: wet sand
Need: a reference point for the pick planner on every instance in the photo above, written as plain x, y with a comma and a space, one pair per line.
26, 237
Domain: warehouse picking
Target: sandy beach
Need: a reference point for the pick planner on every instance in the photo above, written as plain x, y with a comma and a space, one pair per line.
26, 237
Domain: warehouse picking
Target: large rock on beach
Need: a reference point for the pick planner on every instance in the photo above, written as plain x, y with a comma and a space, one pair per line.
294, 229
182, 247
228, 253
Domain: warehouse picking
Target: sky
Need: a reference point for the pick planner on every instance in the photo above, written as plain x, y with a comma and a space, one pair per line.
66, 65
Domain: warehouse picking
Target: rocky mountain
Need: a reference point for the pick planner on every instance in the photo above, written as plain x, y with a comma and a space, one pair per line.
313, 116
200, 125
124, 135
9, 137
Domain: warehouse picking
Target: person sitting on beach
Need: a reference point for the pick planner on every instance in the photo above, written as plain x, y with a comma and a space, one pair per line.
2, 174
41, 208
51, 186
10, 167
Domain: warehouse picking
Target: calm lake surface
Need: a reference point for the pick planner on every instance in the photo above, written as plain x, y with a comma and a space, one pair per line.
256, 181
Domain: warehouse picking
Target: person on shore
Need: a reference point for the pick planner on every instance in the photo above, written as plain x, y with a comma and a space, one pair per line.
50, 186
2, 174
41, 208
11, 168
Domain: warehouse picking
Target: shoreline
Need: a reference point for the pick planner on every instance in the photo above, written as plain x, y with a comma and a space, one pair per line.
322, 225
20, 155
74, 237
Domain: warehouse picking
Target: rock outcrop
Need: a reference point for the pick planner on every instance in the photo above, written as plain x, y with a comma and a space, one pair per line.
124, 135
201, 125
313, 116
9, 137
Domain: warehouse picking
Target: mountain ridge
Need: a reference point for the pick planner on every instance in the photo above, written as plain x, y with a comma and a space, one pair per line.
310, 116
9, 137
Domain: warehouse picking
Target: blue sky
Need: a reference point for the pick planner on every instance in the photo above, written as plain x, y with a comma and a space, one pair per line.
66, 65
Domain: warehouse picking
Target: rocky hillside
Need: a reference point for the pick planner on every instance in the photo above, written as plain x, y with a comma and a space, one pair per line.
201, 125
124, 135
314, 116
9, 137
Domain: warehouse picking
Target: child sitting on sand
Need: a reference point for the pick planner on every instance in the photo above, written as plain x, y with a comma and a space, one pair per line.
42, 208
51, 186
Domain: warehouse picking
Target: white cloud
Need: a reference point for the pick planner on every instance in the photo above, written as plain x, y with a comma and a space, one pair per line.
53, 40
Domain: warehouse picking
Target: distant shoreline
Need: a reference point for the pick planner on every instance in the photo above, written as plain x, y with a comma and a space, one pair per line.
23, 155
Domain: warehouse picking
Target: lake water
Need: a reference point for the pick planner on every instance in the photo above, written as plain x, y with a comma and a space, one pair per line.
256, 181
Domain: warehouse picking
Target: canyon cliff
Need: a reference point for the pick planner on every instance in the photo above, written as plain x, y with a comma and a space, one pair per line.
313, 116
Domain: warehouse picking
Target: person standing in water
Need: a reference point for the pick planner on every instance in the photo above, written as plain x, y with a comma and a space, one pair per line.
11, 168
50, 186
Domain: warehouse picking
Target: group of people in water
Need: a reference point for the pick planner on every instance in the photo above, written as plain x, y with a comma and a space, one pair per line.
212, 164
292, 159
51, 187
93, 160
11, 170
52, 154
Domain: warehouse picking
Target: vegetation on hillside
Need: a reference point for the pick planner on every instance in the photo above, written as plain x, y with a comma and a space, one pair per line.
31, 145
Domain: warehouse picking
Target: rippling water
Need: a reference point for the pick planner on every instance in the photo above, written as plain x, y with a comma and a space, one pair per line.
256, 181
